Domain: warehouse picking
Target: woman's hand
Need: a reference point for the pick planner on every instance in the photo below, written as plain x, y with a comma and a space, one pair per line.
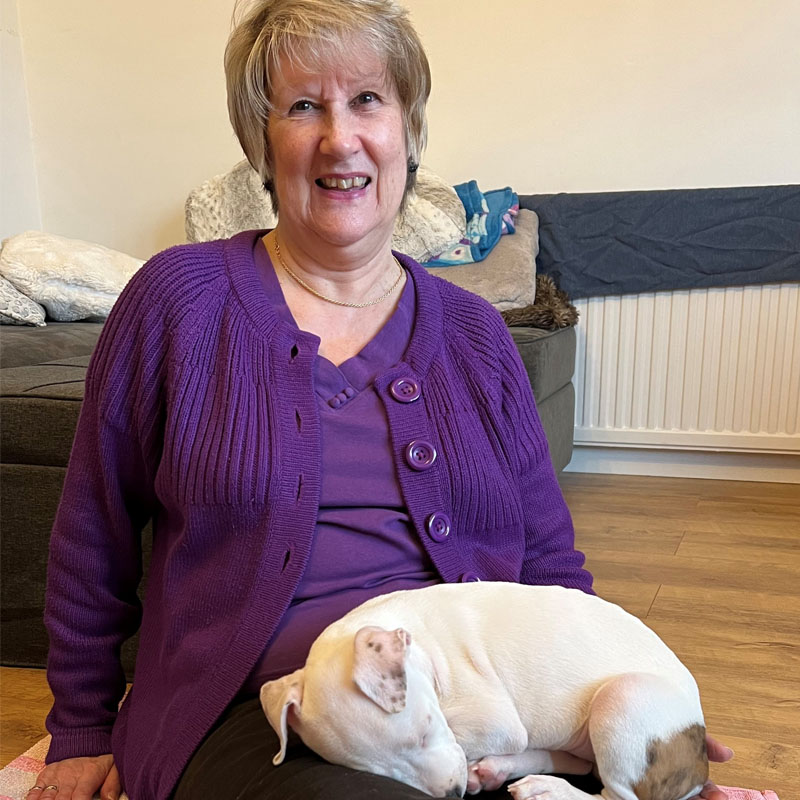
77, 779
716, 752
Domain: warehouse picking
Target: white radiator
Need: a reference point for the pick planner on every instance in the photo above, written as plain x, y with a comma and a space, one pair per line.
700, 370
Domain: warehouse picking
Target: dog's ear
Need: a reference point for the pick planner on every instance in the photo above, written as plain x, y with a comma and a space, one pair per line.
279, 699
379, 669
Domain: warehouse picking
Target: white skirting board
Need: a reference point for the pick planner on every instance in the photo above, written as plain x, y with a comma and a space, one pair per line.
724, 466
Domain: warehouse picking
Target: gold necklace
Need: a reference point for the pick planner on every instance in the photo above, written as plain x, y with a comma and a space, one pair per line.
330, 299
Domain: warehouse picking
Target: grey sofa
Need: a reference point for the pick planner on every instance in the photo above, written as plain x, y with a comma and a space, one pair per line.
41, 388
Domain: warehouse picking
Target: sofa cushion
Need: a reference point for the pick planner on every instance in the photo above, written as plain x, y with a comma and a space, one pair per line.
548, 356
558, 420
20, 347
507, 276
40, 406
29, 498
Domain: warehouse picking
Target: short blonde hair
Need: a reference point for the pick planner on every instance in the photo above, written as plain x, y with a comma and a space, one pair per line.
312, 33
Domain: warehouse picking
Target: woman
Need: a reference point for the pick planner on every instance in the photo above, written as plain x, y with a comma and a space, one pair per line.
309, 421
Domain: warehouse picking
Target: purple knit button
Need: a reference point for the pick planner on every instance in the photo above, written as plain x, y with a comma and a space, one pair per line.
334, 402
405, 390
349, 392
438, 526
420, 455
469, 577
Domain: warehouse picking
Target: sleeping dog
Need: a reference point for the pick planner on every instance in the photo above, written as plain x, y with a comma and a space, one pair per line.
457, 688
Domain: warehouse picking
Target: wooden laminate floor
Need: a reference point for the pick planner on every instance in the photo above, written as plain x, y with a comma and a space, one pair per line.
712, 566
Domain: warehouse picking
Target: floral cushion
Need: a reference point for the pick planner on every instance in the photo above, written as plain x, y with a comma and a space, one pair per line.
16, 308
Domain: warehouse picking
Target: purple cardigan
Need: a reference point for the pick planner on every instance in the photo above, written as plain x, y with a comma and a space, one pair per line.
200, 412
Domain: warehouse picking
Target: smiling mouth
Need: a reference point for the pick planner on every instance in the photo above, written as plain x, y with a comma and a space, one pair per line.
343, 184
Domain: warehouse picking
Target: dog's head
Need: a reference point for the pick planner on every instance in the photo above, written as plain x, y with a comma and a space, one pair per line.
370, 704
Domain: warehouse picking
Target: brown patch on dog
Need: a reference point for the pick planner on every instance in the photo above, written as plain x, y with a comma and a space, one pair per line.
674, 766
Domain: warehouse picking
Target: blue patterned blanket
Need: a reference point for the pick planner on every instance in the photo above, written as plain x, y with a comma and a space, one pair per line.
489, 216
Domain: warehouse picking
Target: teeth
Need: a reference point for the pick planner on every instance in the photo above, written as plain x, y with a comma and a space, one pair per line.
344, 183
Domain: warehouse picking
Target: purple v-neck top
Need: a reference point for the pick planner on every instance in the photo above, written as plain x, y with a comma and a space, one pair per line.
364, 543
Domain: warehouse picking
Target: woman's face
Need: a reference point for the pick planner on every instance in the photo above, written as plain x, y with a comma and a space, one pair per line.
338, 152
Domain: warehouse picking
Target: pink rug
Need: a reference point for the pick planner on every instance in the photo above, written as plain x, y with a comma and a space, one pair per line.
18, 777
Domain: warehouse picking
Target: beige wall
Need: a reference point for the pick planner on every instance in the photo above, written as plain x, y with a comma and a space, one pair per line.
127, 103
128, 110
592, 95
19, 193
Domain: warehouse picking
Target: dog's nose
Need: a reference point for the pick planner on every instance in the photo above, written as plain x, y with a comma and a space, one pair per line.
456, 791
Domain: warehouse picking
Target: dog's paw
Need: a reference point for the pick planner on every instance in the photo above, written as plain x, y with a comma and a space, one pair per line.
487, 774
541, 787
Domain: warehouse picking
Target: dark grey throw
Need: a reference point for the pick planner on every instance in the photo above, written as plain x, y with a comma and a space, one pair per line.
629, 242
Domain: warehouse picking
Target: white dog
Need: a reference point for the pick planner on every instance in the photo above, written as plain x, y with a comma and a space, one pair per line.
460, 687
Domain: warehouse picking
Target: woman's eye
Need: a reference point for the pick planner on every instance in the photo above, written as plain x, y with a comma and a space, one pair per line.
302, 105
365, 98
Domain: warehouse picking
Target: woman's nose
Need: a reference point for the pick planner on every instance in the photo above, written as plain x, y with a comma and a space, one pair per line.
340, 137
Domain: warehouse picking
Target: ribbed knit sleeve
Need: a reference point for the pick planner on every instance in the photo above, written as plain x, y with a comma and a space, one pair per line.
108, 496
550, 555
93, 573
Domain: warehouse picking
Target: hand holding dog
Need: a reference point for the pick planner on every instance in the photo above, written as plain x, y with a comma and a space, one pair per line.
720, 753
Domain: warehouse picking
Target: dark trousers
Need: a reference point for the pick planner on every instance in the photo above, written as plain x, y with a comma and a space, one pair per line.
235, 762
